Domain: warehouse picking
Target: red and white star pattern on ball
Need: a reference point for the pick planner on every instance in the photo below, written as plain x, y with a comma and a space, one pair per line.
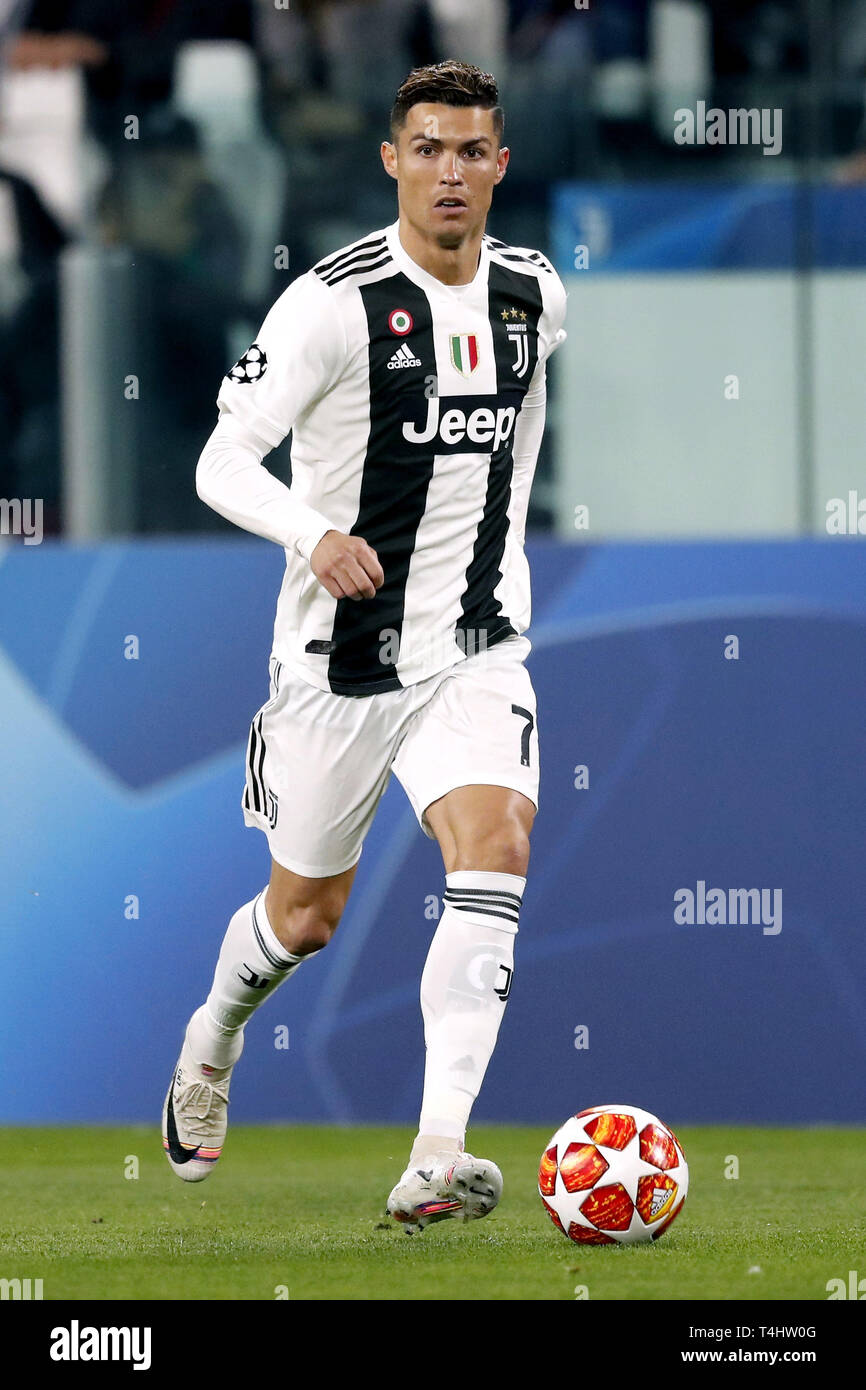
613, 1175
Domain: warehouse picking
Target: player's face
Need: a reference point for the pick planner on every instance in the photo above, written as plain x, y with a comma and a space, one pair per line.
447, 162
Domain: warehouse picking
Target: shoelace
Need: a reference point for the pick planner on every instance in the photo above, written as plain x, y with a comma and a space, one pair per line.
195, 1103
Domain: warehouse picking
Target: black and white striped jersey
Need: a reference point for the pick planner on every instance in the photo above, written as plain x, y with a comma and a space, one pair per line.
416, 410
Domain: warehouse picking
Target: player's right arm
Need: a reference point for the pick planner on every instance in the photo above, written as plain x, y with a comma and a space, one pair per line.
298, 355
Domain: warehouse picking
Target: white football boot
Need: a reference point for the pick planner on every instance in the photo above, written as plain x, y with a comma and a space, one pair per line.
194, 1117
445, 1184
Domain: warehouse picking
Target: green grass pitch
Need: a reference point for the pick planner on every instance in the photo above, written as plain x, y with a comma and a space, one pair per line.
297, 1211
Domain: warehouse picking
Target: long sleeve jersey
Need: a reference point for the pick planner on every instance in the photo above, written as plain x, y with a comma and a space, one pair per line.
416, 410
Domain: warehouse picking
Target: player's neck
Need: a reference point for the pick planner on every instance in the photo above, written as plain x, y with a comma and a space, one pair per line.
452, 265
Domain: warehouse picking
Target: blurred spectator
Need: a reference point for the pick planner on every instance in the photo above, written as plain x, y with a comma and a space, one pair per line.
30, 242
187, 253
127, 50
476, 33
849, 58
758, 36
12, 13
39, 236
160, 199
558, 32
552, 30
316, 44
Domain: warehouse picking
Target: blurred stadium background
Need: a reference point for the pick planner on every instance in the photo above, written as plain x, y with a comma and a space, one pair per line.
166, 167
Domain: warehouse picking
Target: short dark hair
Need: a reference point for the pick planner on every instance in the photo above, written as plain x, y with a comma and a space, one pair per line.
452, 83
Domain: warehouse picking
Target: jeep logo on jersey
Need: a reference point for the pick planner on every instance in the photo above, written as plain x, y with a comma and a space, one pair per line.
454, 426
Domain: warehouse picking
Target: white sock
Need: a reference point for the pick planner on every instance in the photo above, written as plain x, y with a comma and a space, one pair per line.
464, 989
252, 964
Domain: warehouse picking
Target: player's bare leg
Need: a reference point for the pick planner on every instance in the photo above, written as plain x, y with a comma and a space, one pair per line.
483, 833
304, 912
483, 827
267, 940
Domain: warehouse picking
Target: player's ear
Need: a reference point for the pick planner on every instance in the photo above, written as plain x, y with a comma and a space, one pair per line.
502, 163
389, 158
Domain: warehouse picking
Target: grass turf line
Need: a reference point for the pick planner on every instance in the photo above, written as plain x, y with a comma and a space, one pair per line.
300, 1208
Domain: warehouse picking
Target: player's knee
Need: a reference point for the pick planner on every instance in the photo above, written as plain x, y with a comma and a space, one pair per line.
503, 849
304, 928
512, 854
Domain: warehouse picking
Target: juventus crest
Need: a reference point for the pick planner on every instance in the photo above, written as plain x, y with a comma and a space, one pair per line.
515, 327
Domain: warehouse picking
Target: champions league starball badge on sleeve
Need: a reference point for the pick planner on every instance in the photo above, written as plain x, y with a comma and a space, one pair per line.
251, 367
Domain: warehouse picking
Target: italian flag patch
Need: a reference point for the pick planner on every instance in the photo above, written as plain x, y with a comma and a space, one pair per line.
464, 352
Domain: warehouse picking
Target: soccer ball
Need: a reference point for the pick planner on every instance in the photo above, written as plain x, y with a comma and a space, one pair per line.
613, 1175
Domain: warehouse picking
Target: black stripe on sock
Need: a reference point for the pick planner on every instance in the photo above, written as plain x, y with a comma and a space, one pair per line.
268, 954
485, 893
469, 903
503, 914
450, 896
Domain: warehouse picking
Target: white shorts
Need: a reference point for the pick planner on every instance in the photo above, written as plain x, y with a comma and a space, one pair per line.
318, 763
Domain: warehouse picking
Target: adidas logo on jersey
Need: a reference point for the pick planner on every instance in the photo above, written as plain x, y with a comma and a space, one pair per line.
403, 358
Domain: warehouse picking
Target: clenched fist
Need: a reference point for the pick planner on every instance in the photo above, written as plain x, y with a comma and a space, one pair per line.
347, 566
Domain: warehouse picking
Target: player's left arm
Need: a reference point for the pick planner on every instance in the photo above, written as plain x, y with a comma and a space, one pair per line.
529, 429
